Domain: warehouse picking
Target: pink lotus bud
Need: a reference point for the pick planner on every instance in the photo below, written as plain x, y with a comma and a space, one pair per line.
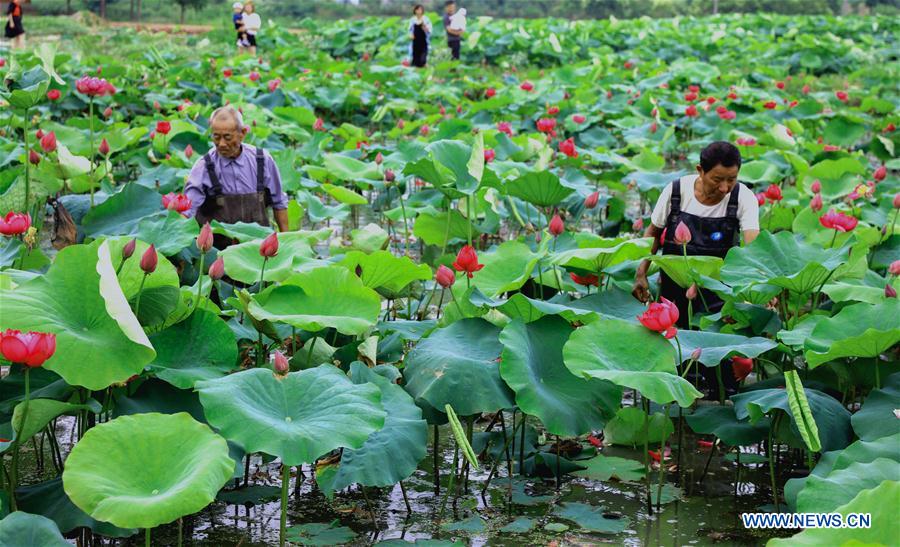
280, 363
695, 355
816, 186
637, 225
389, 175
591, 201
217, 269
816, 202
444, 276
149, 260
556, 226
379, 158
880, 173
205, 239
104, 148
691, 292
682, 234
33, 157
128, 249
269, 247
894, 268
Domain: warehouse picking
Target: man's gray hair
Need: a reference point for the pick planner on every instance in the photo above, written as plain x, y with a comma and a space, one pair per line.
230, 112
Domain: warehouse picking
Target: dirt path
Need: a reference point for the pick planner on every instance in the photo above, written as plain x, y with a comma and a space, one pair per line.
172, 28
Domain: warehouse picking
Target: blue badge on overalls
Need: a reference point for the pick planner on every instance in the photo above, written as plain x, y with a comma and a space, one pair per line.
716, 236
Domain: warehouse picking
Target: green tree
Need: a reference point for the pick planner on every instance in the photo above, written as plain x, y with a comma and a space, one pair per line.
196, 4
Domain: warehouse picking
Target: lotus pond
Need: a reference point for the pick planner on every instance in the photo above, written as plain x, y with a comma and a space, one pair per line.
443, 348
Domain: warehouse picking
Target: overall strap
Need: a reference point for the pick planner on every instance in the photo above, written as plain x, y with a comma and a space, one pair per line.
216, 189
675, 199
260, 170
731, 212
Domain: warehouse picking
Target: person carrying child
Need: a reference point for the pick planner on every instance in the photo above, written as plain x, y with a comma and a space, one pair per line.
238, 19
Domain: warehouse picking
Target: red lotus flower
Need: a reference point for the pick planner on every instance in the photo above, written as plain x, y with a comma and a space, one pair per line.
770, 105
661, 317
149, 260
273, 84
2, 62
704, 445
552, 110
656, 456
694, 88
831, 148
489, 155
842, 96
526, 85
31, 349
567, 147
205, 239
254, 76
445, 277
733, 96
405, 62
746, 141
217, 269
33, 157
14, 224
269, 247
773, 193
897, 201
319, 125
653, 127
48, 142
628, 65
104, 147
39, 134
710, 100
424, 130
94, 87
227, 73
490, 92
591, 201
578, 118
690, 96
176, 202
595, 442
546, 125
682, 234
467, 261
741, 367
163, 127
505, 127
728, 115
889, 128
638, 226
838, 221
779, 85
816, 203
880, 173
54, 94
442, 110
556, 226
691, 111
761, 198
585, 280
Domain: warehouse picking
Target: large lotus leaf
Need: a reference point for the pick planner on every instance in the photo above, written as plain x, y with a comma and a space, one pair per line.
506, 268
859, 330
392, 453
716, 346
538, 188
26, 530
120, 213
40, 413
602, 468
686, 270
458, 365
382, 269
519, 306
243, 261
782, 259
877, 416
347, 168
98, 339
824, 494
148, 469
628, 355
298, 417
344, 195
591, 518
532, 365
454, 156
168, 231
318, 299
832, 419
612, 303
130, 275
433, 230
48, 499
869, 289
721, 421
320, 533
599, 254
201, 347
627, 428
880, 502
368, 239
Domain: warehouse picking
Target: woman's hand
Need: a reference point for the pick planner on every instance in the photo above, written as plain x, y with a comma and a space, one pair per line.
641, 288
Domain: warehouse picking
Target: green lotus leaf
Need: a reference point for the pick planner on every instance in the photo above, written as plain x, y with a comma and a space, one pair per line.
148, 469
591, 518
716, 346
168, 231
457, 365
344, 195
25, 529
298, 417
858, 330
824, 494
317, 533
521, 525
599, 254
40, 413
382, 269
783, 260
392, 453
628, 355
627, 428
433, 230
686, 270
602, 468
201, 347
130, 275
243, 261
870, 289
532, 365
832, 419
98, 339
48, 499
453, 157
880, 502
506, 268
122, 211
368, 239
250, 495
876, 418
350, 169
538, 188
722, 422
760, 171
320, 298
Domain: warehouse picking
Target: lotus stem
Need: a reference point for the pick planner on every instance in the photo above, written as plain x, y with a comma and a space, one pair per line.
522, 446
180, 531
199, 281
469, 217
285, 483
405, 226
646, 404
436, 453
262, 272
312, 344
14, 475
558, 477
405, 498
137, 306
91, 118
26, 162
447, 229
771, 446
147, 537
680, 443
662, 463
470, 422
720, 383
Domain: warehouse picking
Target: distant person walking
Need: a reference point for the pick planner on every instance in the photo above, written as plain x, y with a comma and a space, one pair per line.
14, 29
419, 36
252, 24
238, 19
454, 25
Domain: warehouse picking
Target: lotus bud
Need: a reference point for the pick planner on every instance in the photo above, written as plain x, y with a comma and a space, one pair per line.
816, 187
378, 158
889, 291
389, 175
691, 293
33, 157
149, 260
269, 247
128, 249
444, 276
205, 239
695, 355
280, 363
104, 148
591, 201
682, 234
556, 226
217, 270
894, 268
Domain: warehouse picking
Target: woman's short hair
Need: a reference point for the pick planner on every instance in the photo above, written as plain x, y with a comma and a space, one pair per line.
417, 7
720, 153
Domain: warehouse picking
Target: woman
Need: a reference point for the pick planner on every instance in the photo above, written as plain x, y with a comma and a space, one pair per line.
252, 24
419, 36
14, 29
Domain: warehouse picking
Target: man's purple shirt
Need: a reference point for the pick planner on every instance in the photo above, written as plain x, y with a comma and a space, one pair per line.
237, 176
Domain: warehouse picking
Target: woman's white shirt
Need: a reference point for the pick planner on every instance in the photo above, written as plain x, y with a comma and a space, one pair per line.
252, 22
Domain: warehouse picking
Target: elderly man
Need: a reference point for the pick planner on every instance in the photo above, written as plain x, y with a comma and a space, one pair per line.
235, 182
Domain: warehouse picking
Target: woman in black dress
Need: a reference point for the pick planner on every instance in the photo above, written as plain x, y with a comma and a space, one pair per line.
420, 36
14, 29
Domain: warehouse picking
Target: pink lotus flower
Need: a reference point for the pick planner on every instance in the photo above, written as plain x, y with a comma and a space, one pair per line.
546, 125
567, 147
48, 142
14, 224
54, 94
661, 317
273, 84
638, 226
838, 221
163, 127
690, 96
31, 349
761, 198
526, 86
894, 268
94, 87
319, 125
254, 76
805, 89
505, 127
694, 88
831, 148
578, 118
728, 115
176, 202
773, 193
552, 110
424, 130
444, 276
467, 261
842, 96
490, 92
770, 105
746, 141
489, 155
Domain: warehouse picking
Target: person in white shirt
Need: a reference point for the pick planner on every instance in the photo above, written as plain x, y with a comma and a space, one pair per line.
419, 37
252, 24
